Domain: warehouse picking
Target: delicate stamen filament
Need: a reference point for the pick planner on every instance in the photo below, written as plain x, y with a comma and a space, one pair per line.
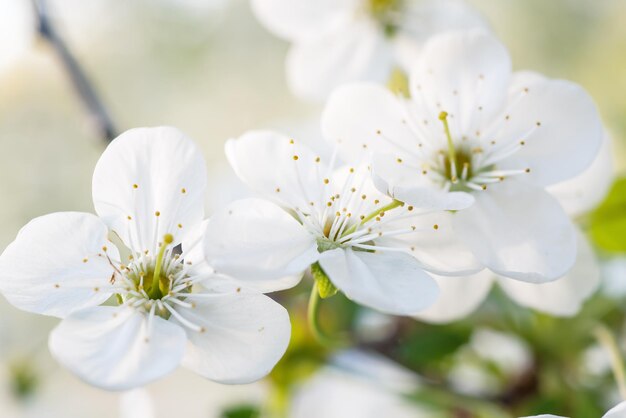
373, 235
188, 282
178, 302
475, 186
182, 320
394, 204
377, 248
198, 295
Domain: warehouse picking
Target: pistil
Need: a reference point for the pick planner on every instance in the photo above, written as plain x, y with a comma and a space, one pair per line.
156, 277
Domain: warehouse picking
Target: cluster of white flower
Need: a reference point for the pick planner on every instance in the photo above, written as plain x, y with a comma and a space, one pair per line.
431, 195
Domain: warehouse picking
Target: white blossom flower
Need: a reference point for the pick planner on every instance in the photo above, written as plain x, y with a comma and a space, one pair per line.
334, 217
350, 40
161, 309
475, 130
562, 297
376, 389
619, 411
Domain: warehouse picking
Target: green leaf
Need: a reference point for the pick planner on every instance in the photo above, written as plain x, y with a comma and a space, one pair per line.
608, 221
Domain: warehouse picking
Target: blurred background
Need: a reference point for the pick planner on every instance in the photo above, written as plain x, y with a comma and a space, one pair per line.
208, 68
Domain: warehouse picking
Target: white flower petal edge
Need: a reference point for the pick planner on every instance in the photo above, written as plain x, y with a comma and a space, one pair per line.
355, 52
534, 246
618, 411
562, 297
559, 123
301, 20
390, 282
457, 72
244, 335
197, 257
435, 244
277, 167
584, 192
117, 348
459, 297
253, 239
149, 182
58, 264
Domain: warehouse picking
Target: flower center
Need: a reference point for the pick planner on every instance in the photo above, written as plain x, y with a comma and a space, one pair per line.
385, 12
469, 168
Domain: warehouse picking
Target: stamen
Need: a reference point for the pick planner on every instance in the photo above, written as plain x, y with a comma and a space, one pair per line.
443, 117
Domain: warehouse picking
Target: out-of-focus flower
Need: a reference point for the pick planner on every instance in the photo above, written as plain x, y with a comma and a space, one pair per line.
493, 139
17, 30
148, 190
137, 403
331, 219
335, 42
489, 351
336, 392
618, 411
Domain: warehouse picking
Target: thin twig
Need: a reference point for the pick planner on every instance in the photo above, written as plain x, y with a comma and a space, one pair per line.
607, 340
79, 79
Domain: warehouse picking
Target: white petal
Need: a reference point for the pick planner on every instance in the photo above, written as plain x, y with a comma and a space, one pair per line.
145, 172
391, 282
618, 411
585, 191
559, 124
44, 269
357, 51
193, 251
562, 297
458, 298
301, 20
435, 244
425, 18
460, 72
545, 416
253, 239
243, 336
334, 393
280, 168
361, 118
518, 231
117, 348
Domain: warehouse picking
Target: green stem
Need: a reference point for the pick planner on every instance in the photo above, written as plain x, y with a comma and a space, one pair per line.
372, 215
606, 339
443, 117
313, 310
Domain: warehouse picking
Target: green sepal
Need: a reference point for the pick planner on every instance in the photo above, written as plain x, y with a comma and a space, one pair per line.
325, 287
